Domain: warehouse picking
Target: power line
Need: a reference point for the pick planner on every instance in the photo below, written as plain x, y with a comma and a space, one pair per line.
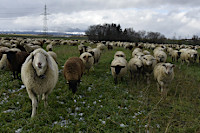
45, 27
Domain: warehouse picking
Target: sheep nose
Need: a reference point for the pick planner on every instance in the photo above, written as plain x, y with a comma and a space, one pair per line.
39, 65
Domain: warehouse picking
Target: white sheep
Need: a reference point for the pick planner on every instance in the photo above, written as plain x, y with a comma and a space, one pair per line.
146, 52
175, 54
149, 63
135, 51
88, 60
30, 48
120, 54
96, 53
39, 74
49, 47
135, 68
188, 55
163, 74
118, 68
160, 56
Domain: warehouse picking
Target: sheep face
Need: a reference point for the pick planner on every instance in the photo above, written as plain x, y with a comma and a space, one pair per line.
117, 69
87, 57
169, 68
40, 64
148, 60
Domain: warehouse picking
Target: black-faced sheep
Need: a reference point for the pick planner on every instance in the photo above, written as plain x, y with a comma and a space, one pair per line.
73, 71
49, 47
163, 74
82, 48
39, 74
118, 68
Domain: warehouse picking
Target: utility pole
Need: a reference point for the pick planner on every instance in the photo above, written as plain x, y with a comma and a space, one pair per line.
45, 27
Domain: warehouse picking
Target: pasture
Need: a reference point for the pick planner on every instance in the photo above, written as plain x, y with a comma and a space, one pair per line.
101, 106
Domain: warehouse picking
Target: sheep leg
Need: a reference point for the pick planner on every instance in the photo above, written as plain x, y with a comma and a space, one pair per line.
188, 62
45, 97
14, 74
131, 76
33, 98
148, 78
158, 87
115, 80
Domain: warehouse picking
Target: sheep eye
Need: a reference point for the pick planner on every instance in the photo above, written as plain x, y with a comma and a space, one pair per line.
84, 56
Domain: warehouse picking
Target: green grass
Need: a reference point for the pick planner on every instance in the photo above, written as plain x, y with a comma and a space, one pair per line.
101, 106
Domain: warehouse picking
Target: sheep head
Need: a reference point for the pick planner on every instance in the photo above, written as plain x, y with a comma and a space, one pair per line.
169, 68
39, 62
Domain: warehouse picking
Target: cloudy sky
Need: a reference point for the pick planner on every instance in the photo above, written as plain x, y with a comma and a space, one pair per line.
179, 18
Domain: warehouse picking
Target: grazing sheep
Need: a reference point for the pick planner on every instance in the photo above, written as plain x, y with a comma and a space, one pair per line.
109, 46
96, 53
120, 54
4, 62
135, 51
188, 55
88, 60
175, 54
160, 56
39, 74
15, 60
163, 74
49, 47
135, 68
101, 46
82, 48
149, 63
73, 71
31, 48
146, 52
118, 68
3, 49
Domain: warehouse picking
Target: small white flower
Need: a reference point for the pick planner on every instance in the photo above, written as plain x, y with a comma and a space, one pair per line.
81, 114
94, 102
122, 125
89, 88
23, 86
103, 122
18, 130
158, 126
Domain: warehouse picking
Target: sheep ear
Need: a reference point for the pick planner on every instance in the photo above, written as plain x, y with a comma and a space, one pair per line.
113, 66
30, 57
49, 61
173, 66
164, 65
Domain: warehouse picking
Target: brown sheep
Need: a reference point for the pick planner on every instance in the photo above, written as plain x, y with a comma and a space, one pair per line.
15, 60
73, 71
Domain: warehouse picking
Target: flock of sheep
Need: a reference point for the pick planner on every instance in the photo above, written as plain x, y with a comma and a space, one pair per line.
39, 68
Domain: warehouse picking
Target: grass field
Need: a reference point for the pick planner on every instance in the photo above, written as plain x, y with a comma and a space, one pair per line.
101, 106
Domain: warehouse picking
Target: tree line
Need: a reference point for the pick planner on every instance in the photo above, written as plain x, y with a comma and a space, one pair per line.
114, 32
